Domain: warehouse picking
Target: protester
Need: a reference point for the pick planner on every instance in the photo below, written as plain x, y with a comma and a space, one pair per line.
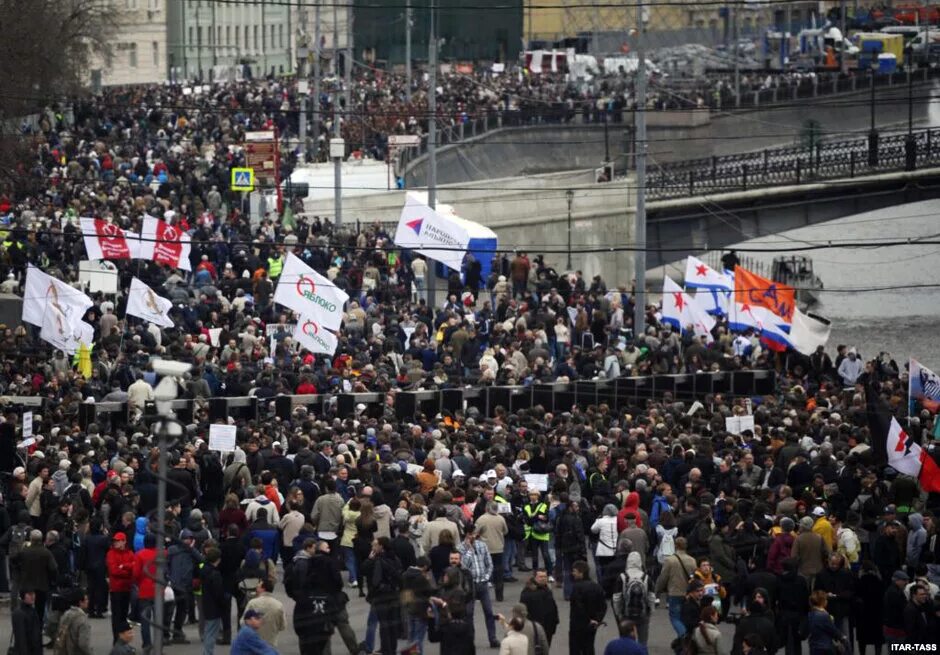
248, 641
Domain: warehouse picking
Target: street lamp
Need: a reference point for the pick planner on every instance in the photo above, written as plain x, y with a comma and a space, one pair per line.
910, 144
569, 194
873, 132
166, 429
302, 89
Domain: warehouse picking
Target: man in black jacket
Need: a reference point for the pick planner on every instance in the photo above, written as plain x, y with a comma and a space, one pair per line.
920, 617
539, 601
213, 599
892, 623
317, 596
792, 606
27, 627
588, 608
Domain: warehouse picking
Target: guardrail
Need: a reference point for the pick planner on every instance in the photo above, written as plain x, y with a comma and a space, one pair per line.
794, 165
619, 394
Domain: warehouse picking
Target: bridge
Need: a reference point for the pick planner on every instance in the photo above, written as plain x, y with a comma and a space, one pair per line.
715, 202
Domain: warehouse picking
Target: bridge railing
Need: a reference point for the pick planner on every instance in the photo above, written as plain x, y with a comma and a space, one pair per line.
794, 165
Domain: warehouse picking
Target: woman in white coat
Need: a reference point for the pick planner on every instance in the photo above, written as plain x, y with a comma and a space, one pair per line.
605, 527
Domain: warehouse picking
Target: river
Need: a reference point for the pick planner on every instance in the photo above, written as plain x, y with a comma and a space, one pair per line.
878, 298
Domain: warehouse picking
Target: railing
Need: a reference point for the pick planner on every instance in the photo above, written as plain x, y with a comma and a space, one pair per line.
623, 392
794, 165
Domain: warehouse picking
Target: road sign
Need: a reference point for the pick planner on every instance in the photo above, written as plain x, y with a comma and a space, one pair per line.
243, 179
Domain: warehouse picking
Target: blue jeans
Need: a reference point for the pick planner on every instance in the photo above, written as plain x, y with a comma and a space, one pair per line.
145, 610
209, 634
417, 631
675, 614
481, 592
350, 557
372, 624
509, 557
567, 581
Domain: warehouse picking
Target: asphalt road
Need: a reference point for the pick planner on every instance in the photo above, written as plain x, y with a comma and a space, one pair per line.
661, 633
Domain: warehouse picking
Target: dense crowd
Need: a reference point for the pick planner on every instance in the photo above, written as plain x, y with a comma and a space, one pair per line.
792, 530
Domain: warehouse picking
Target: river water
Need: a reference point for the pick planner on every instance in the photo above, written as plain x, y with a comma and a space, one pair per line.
878, 298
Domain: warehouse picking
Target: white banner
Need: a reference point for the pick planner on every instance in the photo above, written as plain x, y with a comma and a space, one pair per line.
310, 294
44, 291
27, 425
222, 437
431, 233
143, 303
314, 338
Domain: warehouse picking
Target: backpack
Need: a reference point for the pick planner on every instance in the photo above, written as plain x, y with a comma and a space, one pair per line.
633, 599
18, 539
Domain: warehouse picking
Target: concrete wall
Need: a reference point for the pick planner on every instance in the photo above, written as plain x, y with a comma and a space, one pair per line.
530, 213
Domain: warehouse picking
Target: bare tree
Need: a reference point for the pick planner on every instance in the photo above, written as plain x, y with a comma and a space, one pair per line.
45, 55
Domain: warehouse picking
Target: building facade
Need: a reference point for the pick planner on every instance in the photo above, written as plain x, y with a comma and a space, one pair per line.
139, 47
212, 40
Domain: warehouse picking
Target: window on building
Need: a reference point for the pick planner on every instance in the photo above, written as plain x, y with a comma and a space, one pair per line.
257, 40
155, 49
228, 35
218, 35
132, 55
280, 35
199, 35
192, 35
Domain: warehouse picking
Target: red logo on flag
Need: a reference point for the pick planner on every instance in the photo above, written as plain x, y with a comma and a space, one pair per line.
304, 280
415, 225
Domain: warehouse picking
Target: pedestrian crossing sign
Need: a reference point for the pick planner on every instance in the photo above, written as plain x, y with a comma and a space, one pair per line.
243, 179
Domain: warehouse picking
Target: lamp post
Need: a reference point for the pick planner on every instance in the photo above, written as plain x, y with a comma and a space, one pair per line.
302, 88
166, 430
569, 194
873, 132
910, 144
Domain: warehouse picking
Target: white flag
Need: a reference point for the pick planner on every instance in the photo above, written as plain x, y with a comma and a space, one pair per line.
314, 337
310, 294
143, 303
44, 291
63, 335
808, 332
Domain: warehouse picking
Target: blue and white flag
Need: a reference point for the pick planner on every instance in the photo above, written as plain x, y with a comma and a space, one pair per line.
714, 289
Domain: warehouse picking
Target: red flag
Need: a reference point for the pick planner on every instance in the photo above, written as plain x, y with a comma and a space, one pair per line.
105, 240
752, 289
929, 471
165, 244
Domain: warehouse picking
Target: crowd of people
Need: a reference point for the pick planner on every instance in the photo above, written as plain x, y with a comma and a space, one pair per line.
793, 530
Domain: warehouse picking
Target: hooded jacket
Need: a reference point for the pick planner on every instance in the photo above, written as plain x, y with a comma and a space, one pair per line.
916, 539
140, 531
631, 505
